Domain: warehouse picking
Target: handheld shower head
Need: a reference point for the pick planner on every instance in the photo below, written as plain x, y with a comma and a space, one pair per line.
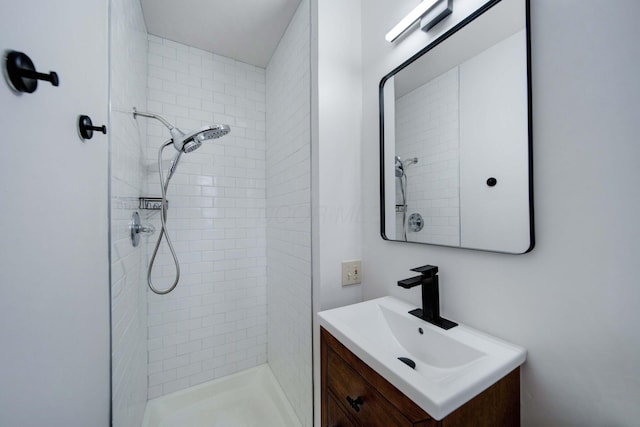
399, 167
188, 142
402, 165
192, 141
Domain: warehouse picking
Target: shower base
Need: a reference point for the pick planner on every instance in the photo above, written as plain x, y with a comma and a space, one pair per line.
246, 399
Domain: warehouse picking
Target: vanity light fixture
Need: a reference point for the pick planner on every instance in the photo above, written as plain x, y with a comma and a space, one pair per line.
431, 12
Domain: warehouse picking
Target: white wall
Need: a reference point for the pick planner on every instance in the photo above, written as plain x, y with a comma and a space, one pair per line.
335, 160
289, 214
54, 268
214, 323
128, 82
572, 302
336, 147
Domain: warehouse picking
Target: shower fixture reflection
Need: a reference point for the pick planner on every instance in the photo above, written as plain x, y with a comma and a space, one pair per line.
183, 143
402, 176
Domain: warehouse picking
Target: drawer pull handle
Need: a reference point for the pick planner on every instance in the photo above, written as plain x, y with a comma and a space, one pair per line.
355, 402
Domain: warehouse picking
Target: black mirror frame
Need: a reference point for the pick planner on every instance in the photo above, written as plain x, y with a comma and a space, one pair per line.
413, 58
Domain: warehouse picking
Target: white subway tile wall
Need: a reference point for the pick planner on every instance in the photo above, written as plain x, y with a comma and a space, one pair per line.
128, 76
427, 127
214, 323
288, 214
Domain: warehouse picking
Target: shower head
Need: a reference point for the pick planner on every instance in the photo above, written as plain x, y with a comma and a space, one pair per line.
193, 140
188, 142
401, 165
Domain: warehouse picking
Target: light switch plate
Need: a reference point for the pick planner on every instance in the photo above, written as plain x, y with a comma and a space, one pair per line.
351, 272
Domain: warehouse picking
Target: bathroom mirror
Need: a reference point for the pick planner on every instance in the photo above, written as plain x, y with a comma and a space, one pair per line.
455, 137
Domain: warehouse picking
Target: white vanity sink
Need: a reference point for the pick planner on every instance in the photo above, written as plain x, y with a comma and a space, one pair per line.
452, 366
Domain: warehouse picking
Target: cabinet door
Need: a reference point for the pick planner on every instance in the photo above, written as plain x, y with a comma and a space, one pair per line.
335, 415
54, 288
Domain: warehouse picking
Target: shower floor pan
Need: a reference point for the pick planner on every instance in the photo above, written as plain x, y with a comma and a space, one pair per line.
246, 399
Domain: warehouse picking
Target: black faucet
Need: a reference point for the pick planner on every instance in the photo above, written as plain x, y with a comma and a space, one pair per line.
430, 311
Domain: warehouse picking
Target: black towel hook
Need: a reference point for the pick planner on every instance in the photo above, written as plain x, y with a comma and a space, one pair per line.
86, 127
22, 74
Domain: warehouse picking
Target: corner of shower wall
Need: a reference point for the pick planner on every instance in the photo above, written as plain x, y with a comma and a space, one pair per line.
127, 88
289, 311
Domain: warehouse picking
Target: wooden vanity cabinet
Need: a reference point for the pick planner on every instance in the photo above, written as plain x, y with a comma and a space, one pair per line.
354, 395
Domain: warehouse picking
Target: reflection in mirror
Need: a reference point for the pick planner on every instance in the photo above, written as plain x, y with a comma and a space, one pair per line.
455, 137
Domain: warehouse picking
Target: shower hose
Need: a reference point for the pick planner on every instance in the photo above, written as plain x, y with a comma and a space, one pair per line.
163, 220
403, 189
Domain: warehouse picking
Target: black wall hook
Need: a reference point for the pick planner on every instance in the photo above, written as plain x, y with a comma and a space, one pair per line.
23, 75
86, 127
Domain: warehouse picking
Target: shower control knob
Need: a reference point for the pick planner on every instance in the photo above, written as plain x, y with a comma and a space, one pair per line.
147, 229
136, 228
86, 127
416, 222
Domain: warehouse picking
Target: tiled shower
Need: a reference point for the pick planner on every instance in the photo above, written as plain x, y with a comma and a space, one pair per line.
429, 117
214, 323
239, 216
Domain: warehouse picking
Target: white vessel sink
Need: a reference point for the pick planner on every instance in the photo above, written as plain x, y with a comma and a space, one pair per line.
452, 366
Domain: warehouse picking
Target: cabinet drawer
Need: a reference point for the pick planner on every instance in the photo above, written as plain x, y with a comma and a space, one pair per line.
336, 416
375, 410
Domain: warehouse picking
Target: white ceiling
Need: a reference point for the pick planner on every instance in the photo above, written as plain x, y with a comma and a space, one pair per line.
246, 30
